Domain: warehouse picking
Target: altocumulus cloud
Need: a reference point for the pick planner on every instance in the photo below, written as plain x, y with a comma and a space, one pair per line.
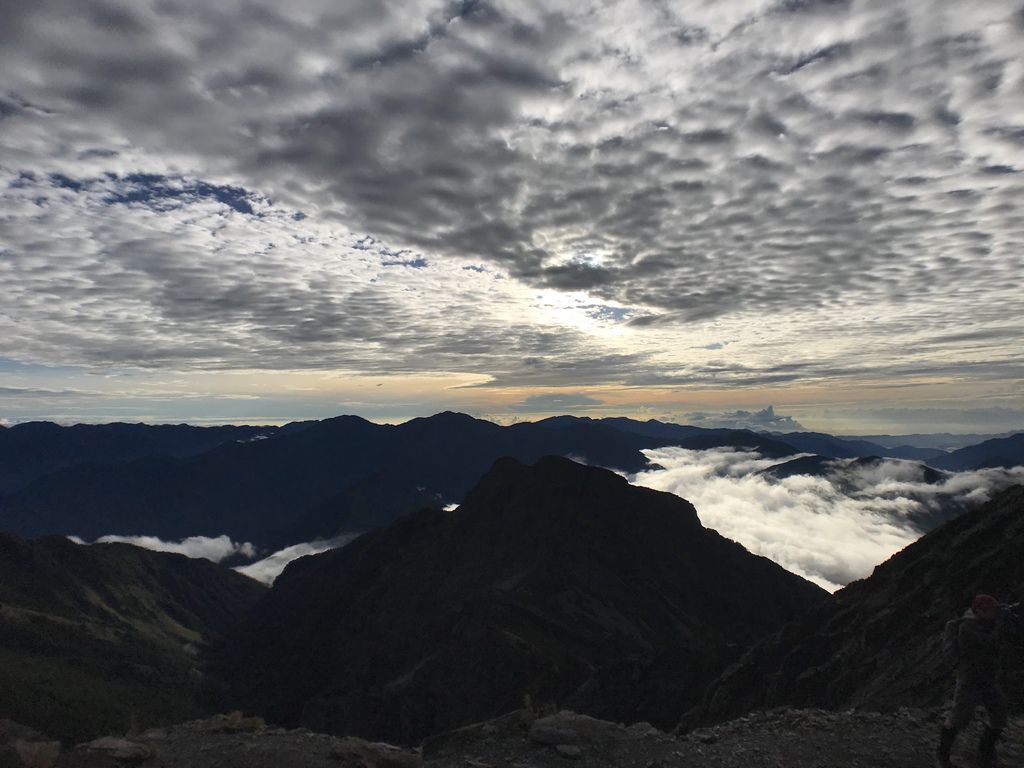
831, 529
853, 165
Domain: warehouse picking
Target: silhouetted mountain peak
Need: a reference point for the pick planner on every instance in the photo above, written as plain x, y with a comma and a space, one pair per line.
564, 492
557, 580
448, 421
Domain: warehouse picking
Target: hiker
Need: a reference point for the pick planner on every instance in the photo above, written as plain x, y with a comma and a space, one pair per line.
975, 638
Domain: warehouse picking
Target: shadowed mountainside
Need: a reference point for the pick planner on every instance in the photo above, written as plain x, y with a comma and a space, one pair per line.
773, 444
559, 581
336, 475
31, 450
96, 639
998, 452
320, 479
877, 643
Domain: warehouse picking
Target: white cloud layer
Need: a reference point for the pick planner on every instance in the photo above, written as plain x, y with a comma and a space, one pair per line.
270, 567
831, 529
212, 548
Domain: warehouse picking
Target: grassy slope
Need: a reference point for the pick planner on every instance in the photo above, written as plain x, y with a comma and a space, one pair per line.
105, 639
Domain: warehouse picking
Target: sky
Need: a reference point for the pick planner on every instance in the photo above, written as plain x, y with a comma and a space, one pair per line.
254, 211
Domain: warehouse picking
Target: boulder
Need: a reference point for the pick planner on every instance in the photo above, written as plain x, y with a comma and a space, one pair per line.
352, 752
37, 754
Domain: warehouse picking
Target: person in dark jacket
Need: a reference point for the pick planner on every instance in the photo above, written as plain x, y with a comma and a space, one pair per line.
977, 682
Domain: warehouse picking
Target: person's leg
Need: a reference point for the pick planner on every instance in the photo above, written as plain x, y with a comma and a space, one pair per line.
995, 705
947, 735
965, 701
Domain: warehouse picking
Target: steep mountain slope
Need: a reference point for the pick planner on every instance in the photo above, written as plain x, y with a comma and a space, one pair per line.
877, 643
998, 452
559, 581
273, 492
95, 638
31, 450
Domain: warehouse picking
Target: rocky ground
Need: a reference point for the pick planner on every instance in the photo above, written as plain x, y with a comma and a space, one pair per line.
782, 738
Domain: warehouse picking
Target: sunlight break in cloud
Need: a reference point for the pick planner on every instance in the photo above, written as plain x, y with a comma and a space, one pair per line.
215, 549
831, 529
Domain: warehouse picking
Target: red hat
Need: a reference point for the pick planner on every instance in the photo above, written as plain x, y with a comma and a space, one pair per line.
984, 604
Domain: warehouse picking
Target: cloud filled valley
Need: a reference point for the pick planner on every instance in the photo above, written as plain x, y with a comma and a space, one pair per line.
831, 529
831, 526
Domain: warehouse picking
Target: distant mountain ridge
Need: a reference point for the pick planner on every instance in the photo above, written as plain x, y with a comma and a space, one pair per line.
277, 487
314, 481
556, 580
942, 441
998, 452
31, 450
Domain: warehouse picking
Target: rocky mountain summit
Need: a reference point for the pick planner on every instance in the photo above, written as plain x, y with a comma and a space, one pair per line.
791, 738
557, 580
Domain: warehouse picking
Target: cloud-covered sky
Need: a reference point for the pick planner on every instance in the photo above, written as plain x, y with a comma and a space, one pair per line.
253, 210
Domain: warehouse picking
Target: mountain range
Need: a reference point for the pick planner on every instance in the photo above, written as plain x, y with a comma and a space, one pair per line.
557, 582
277, 487
34, 449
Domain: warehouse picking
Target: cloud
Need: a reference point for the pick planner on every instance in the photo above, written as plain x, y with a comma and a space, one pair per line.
270, 567
830, 529
764, 420
556, 402
952, 419
36, 392
212, 548
183, 185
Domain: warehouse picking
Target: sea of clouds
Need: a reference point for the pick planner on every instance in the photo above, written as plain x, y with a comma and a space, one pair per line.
830, 529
